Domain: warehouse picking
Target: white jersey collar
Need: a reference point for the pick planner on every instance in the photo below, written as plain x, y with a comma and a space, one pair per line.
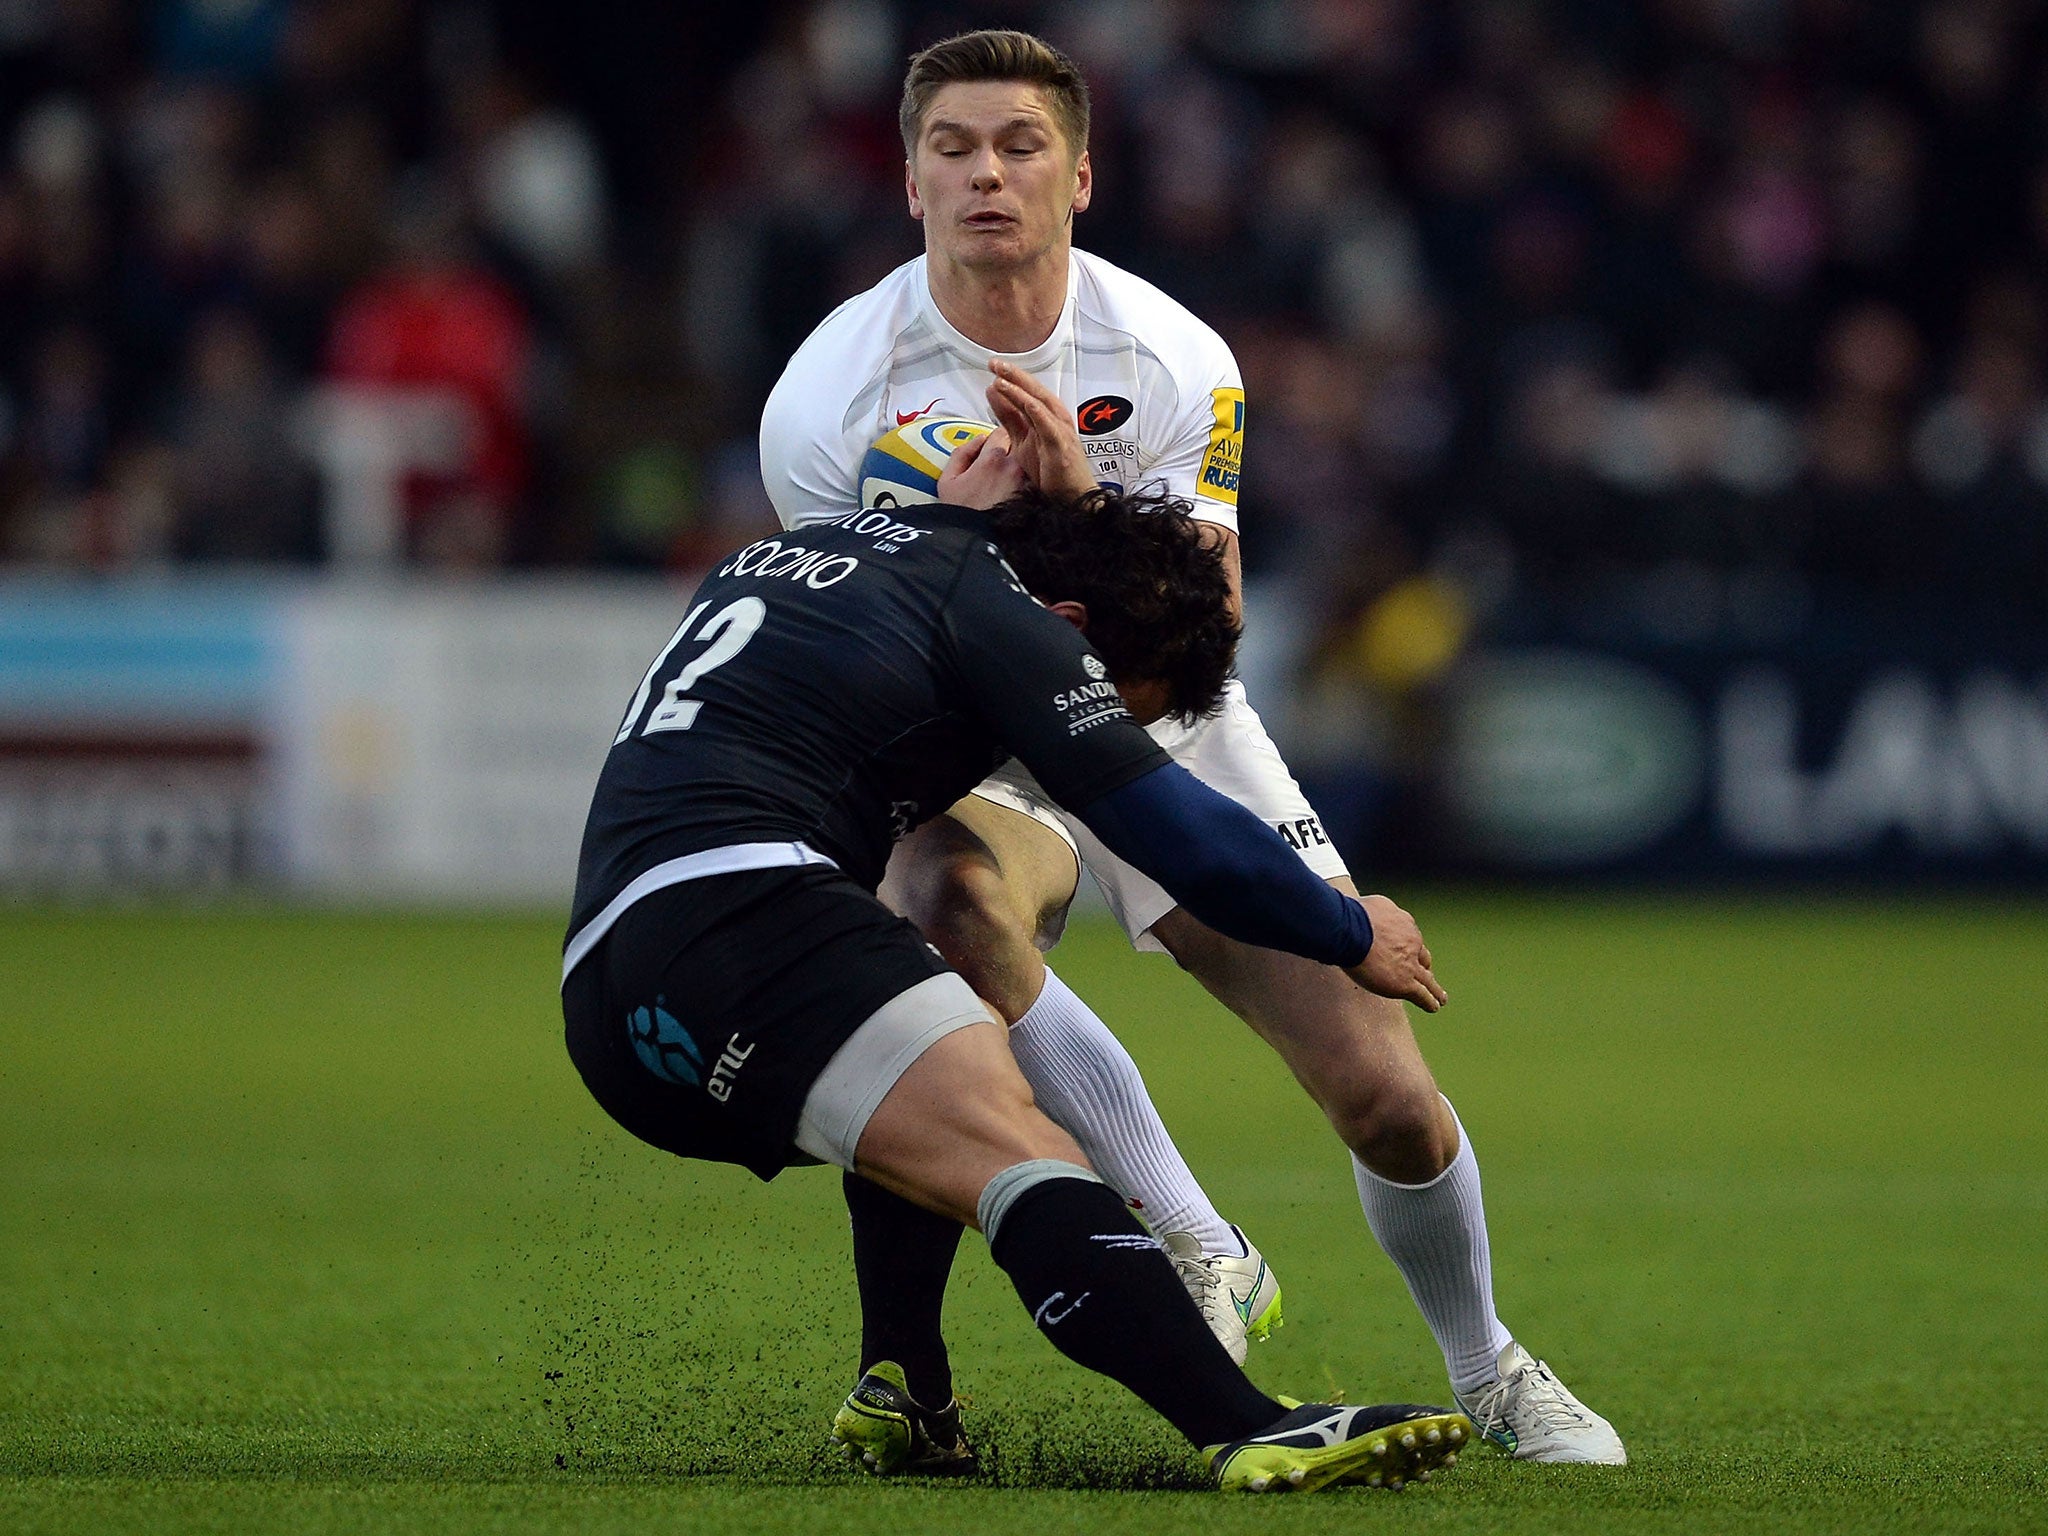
1034, 361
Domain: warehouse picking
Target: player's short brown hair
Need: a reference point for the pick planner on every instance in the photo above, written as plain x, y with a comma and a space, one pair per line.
1157, 592
996, 54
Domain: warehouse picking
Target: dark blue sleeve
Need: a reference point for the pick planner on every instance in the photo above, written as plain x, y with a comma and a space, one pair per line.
1227, 867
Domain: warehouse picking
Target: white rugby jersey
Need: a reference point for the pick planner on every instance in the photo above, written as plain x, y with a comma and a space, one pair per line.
1157, 395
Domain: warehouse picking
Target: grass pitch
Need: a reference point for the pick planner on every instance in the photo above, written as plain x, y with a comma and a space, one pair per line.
306, 1225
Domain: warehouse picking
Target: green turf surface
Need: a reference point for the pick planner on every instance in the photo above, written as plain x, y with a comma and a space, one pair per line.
306, 1225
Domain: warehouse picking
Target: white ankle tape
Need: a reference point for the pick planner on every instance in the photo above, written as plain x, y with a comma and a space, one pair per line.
1003, 1190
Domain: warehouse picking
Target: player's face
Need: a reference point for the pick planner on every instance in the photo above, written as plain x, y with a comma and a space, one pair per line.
992, 178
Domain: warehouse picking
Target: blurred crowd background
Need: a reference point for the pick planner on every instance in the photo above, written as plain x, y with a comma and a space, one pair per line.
1701, 316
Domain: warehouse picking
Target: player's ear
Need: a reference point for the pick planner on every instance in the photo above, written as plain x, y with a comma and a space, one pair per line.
910, 189
1074, 613
1084, 183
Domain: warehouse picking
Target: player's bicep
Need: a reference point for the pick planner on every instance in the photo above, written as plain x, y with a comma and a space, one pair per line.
805, 465
1205, 457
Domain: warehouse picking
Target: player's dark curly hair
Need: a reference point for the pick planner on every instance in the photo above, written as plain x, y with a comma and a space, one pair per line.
1157, 593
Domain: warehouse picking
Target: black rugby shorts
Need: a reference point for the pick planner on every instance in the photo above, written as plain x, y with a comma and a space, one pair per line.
701, 1020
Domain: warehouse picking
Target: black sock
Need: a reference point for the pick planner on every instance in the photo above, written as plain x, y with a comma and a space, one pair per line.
1102, 1290
902, 1255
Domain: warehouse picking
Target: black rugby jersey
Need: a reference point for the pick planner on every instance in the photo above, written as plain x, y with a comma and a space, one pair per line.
838, 685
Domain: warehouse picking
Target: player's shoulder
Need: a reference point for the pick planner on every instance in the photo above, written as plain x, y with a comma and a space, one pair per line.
1111, 299
849, 351
960, 570
957, 540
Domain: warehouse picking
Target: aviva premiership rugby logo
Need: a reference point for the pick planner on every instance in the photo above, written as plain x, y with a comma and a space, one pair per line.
1224, 461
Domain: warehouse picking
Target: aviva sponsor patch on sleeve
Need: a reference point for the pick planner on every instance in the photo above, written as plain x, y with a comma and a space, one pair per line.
1224, 461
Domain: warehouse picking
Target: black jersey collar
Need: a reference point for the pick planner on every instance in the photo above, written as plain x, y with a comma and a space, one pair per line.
940, 514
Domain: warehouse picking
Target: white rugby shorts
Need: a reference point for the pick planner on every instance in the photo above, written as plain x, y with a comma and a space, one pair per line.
1232, 754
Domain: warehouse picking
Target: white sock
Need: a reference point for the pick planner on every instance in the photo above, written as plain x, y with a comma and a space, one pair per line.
1087, 1084
1436, 1235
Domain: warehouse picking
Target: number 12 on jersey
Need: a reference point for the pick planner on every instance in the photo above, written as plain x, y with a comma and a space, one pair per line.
724, 635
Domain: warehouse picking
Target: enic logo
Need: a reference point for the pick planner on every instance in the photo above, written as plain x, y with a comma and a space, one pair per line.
1105, 413
665, 1047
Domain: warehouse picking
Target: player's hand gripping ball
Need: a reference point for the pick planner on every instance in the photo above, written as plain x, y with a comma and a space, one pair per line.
902, 469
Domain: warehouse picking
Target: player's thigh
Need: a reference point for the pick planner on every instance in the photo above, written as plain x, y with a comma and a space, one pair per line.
955, 1118
1038, 860
1326, 1027
999, 855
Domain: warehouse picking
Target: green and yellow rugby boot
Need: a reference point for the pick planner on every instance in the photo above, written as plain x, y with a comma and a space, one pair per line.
888, 1432
1319, 1445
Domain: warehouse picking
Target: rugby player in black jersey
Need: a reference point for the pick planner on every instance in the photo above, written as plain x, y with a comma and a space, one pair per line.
734, 991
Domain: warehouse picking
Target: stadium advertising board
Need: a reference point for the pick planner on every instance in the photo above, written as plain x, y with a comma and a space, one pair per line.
435, 742
132, 738
440, 742
1901, 761
363, 740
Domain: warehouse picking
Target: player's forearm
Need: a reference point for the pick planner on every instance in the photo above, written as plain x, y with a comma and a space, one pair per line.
1233, 566
1227, 867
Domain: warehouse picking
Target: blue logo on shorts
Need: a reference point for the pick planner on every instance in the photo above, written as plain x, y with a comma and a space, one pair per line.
664, 1048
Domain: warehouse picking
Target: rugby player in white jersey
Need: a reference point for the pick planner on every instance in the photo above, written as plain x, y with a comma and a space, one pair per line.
1000, 315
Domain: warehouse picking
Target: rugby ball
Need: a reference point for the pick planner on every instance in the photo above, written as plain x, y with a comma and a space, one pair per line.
903, 466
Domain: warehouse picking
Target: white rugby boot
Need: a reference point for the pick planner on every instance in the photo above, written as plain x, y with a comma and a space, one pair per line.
1533, 1416
1239, 1298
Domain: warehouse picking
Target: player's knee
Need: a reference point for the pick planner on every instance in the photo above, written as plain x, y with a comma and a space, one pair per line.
1007, 1115
1042, 1138
1398, 1130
